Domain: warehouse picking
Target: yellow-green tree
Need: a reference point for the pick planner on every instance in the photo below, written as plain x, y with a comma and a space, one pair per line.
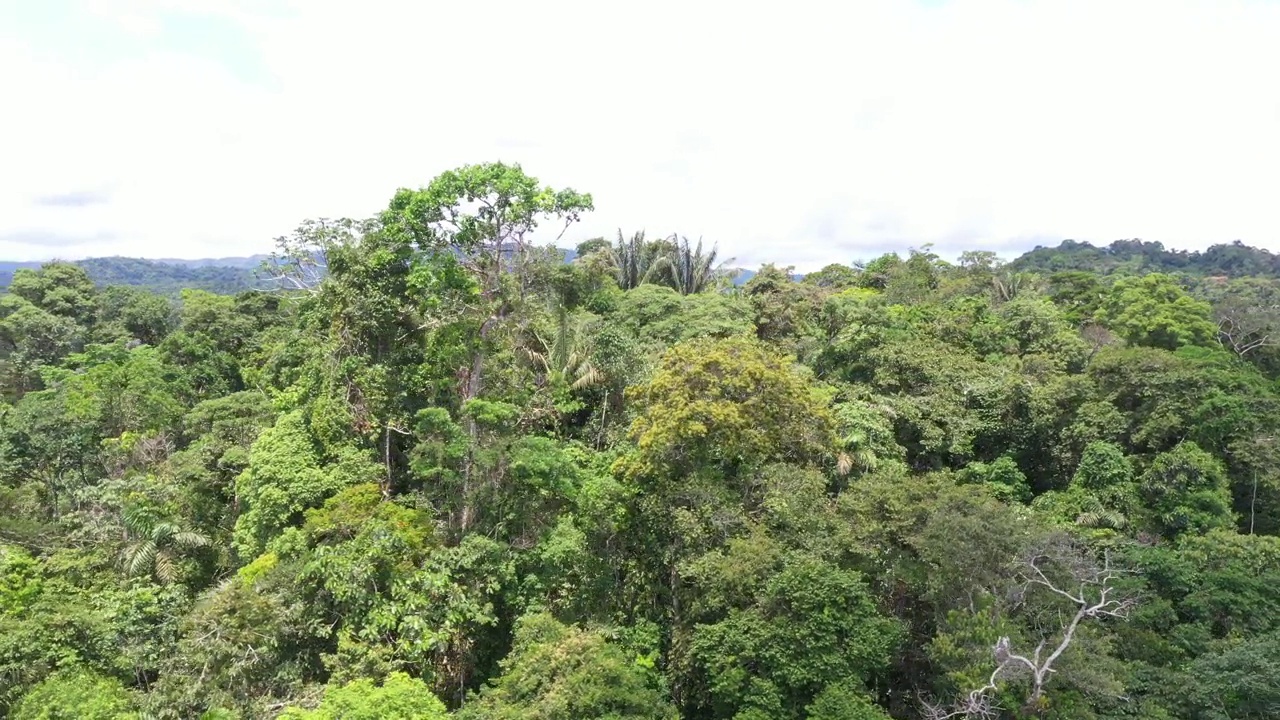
399, 697
719, 406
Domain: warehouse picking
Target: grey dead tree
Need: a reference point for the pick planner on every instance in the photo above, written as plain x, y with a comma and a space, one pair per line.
300, 262
1244, 327
1097, 337
1065, 568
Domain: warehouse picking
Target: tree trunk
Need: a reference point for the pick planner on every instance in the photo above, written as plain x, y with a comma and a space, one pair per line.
472, 391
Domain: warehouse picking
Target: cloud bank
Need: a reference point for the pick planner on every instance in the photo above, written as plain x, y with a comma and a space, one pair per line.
803, 133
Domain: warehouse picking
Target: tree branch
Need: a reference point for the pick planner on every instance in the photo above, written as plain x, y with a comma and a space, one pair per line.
1094, 599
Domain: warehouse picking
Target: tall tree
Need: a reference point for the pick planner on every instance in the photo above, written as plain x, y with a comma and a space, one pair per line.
485, 215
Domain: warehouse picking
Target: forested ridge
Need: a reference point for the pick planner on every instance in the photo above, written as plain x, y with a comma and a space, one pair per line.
166, 277
1137, 256
439, 472
230, 275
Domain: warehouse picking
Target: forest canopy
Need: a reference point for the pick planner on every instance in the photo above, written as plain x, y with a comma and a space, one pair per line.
433, 470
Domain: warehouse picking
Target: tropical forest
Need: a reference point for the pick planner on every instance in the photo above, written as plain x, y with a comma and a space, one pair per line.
418, 466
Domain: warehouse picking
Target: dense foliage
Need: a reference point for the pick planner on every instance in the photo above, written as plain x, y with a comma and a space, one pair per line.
444, 473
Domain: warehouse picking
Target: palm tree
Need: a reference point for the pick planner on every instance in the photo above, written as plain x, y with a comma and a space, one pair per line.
1009, 285
865, 427
564, 357
856, 453
689, 270
635, 260
157, 545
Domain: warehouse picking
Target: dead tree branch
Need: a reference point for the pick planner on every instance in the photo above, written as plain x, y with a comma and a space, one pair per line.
1245, 326
1066, 570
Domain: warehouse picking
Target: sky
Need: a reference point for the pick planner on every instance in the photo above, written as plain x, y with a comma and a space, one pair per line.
796, 132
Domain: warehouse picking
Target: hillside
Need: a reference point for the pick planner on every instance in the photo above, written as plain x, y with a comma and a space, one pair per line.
1136, 256
167, 278
233, 274
249, 262
224, 276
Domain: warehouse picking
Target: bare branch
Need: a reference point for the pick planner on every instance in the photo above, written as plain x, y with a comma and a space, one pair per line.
1244, 327
1060, 562
300, 262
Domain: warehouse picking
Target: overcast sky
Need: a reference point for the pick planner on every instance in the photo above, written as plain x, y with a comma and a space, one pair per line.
798, 132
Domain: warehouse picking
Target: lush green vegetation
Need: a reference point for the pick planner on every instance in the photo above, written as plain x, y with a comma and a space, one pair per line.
447, 474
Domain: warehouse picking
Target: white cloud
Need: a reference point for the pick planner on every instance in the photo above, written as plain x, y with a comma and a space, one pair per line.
803, 133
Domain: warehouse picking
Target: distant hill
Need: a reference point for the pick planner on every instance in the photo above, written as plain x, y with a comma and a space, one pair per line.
8, 267
229, 275
1136, 256
225, 275
167, 277
742, 276
246, 263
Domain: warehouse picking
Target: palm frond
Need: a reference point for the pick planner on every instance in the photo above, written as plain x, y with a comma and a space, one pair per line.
188, 539
155, 545
588, 376
663, 272
844, 463
138, 520
1102, 518
166, 569
537, 358
688, 268
162, 533
632, 260
140, 557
